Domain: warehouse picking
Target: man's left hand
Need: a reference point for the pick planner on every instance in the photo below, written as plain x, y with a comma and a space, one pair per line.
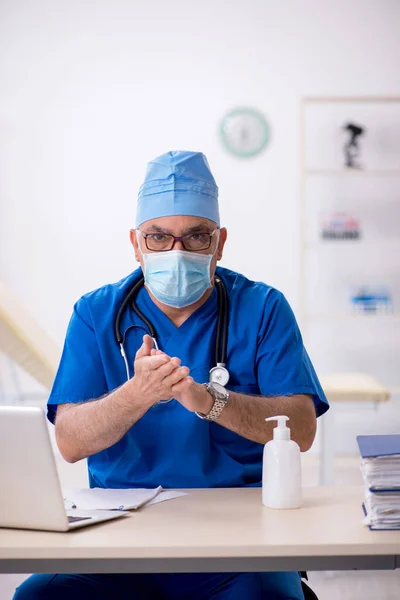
193, 396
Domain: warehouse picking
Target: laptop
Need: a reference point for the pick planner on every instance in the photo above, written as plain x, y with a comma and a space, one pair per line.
30, 490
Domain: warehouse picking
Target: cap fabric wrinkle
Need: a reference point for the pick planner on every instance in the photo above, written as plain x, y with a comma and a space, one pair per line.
178, 183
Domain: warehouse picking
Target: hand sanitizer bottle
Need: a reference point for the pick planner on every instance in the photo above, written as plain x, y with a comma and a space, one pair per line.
281, 478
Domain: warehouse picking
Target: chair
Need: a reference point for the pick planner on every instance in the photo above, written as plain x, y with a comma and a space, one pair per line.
307, 591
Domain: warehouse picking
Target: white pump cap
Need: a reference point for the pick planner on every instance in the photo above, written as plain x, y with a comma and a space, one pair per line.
281, 432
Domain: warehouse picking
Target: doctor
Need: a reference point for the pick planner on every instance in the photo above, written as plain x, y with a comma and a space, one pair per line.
208, 435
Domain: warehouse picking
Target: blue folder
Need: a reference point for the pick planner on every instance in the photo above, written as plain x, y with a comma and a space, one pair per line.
372, 446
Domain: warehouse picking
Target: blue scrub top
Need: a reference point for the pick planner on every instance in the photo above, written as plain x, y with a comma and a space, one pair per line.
169, 445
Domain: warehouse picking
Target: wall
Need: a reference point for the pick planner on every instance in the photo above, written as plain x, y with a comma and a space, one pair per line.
91, 90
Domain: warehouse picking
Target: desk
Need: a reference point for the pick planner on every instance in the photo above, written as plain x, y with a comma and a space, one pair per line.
217, 530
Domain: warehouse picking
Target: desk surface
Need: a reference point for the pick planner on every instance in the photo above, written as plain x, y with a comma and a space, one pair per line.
213, 530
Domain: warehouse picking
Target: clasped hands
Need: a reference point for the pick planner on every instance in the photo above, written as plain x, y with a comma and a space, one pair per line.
157, 377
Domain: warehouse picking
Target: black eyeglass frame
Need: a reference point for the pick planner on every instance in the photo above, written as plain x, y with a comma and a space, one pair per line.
180, 238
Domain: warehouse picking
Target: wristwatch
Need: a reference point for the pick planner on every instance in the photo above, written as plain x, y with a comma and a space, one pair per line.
221, 397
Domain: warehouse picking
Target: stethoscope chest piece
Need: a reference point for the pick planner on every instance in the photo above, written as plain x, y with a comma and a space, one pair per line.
219, 374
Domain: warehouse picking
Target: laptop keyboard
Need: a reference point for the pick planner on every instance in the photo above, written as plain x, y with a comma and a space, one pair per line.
75, 519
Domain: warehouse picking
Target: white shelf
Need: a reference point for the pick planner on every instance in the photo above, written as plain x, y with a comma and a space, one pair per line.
360, 244
354, 172
389, 317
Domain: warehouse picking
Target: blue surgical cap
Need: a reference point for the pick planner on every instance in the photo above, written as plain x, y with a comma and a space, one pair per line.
178, 183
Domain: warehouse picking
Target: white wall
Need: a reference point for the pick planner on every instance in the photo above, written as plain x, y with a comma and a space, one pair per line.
93, 89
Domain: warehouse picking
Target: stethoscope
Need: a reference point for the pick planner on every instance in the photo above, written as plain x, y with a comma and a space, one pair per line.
219, 373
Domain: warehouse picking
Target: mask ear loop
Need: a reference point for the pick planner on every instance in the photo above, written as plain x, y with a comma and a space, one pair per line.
138, 243
215, 277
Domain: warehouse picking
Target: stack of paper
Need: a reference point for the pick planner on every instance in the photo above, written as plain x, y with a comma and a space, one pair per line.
116, 499
380, 467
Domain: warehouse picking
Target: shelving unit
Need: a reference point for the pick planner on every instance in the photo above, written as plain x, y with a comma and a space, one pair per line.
338, 339
344, 316
354, 172
322, 158
370, 244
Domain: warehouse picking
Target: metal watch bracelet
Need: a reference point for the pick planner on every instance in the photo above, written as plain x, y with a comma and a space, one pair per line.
221, 397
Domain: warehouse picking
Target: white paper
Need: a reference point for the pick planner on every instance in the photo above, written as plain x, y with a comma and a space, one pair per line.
109, 499
116, 499
383, 507
166, 495
381, 473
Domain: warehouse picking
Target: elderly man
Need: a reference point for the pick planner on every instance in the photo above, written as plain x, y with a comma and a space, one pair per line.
175, 415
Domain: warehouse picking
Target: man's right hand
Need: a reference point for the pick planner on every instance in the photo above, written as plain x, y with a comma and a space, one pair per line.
155, 373
87, 428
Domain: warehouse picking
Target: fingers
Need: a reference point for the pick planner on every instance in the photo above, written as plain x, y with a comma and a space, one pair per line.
151, 363
154, 352
167, 368
176, 376
157, 360
145, 348
182, 386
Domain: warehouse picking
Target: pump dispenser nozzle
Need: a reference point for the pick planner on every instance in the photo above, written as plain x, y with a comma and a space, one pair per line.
281, 432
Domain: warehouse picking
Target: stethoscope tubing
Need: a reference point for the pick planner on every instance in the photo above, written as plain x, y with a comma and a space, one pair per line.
221, 341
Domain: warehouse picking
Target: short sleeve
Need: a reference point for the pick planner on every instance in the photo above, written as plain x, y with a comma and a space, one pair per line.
283, 365
80, 374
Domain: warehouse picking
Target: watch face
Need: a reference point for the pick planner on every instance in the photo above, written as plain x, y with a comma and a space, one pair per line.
218, 388
244, 132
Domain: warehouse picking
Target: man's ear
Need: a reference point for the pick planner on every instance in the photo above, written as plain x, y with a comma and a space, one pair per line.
223, 234
134, 242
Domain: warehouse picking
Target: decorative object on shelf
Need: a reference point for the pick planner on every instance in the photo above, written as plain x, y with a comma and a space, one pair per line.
340, 226
351, 148
244, 132
372, 300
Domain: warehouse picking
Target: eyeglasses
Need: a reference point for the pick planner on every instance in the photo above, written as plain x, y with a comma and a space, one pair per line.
162, 242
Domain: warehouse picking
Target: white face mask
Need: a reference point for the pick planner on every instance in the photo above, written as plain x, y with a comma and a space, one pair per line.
177, 278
